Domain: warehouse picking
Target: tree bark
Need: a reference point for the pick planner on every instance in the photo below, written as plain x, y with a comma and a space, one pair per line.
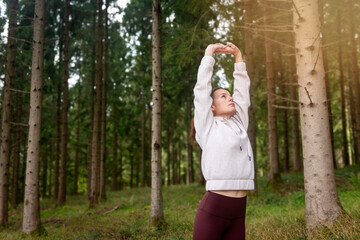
173, 154
65, 108
156, 208
352, 114
142, 138
93, 96
58, 141
274, 174
345, 152
285, 115
94, 193
51, 155
76, 170
115, 150
6, 114
355, 79
31, 219
168, 157
121, 180
103, 109
322, 206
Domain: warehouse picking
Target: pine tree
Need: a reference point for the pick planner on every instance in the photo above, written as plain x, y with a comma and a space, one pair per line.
322, 206
31, 220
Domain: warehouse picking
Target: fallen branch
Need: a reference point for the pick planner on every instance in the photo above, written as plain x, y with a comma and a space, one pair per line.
111, 210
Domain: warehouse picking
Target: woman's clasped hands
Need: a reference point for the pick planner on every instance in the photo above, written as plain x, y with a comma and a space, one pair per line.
229, 48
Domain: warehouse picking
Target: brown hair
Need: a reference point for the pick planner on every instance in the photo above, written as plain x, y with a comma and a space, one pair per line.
212, 94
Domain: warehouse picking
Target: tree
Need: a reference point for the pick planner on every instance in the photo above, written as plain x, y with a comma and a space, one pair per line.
65, 108
103, 108
342, 91
31, 220
355, 80
249, 54
94, 192
322, 206
274, 173
156, 209
283, 89
6, 114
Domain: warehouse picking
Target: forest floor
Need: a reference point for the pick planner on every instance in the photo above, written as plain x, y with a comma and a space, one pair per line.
125, 214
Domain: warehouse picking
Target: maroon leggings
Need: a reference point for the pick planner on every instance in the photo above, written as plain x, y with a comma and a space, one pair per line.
220, 217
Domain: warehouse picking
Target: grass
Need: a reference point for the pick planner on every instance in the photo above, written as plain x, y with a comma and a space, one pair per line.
125, 215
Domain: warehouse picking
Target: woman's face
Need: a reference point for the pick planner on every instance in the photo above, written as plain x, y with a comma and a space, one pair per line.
223, 105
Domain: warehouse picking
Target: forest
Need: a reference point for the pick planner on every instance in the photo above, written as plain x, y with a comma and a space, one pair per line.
97, 105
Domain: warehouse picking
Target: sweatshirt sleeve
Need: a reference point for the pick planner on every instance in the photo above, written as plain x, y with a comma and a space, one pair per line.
203, 116
241, 94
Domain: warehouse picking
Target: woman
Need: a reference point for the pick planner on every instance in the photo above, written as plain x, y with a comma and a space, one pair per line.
221, 121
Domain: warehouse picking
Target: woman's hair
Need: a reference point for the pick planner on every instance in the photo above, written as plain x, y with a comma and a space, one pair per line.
214, 90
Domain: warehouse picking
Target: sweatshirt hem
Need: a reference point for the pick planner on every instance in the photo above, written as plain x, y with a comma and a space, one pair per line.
229, 184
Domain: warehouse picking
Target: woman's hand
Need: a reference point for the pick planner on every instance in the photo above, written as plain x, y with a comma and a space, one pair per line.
214, 48
234, 50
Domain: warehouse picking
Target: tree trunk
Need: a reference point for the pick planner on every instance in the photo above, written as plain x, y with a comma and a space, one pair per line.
31, 219
274, 174
51, 155
103, 109
65, 108
76, 170
142, 138
156, 208
355, 79
137, 171
6, 114
249, 54
115, 150
322, 206
297, 161
121, 180
93, 96
169, 133
173, 154
94, 193
58, 141
353, 118
285, 115
345, 152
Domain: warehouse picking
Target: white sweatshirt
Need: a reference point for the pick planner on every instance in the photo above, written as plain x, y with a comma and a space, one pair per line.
227, 157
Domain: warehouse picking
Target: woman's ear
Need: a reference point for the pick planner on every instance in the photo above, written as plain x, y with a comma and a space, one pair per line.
212, 108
